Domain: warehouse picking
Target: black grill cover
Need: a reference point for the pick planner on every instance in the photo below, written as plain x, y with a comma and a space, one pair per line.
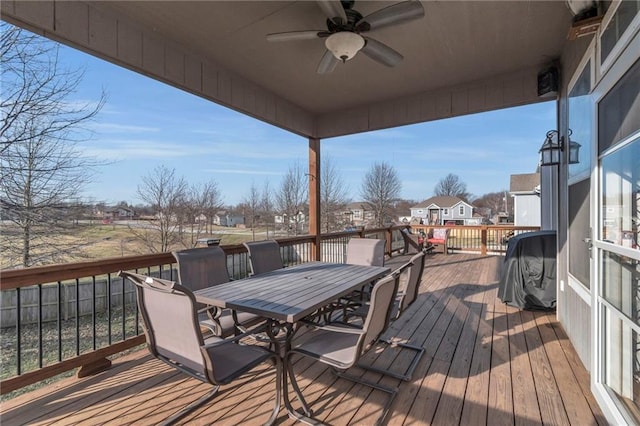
528, 279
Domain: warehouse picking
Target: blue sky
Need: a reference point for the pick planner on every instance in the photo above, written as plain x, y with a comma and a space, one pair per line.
147, 123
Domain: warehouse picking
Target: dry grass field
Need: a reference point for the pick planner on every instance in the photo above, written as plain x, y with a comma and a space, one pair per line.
94, 241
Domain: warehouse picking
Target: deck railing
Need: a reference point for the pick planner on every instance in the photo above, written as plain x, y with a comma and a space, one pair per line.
482, 238
60, 317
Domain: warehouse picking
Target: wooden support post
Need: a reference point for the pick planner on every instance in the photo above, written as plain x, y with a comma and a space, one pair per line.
314, 196
388, 236
483, 239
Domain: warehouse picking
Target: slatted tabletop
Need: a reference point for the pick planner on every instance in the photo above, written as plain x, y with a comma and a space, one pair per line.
291, 294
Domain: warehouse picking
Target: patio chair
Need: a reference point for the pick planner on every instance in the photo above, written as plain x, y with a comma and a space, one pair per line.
438, 238
200, 268
341, 345
404, 298
264, 256
170, 323
365, 251
412, 243
409, 293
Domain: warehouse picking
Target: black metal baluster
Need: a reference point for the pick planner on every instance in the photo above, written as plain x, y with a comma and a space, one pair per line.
109, 307
39, 325
77, 316
124, 308
137, 315
93, 312
18, 333
60, 321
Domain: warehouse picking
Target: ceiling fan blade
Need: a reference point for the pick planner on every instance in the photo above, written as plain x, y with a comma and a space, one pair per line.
381, 52
327, 63
333, 9
391, 15
294, 35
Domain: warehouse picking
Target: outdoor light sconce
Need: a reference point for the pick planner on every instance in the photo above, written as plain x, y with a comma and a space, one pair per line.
554, 145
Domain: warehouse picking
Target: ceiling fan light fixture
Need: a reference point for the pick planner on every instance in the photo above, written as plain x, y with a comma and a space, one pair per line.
344, 45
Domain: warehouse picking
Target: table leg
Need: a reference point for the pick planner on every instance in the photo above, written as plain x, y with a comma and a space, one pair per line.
274, 329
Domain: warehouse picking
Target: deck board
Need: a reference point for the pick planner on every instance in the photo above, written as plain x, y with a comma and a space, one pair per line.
485, 364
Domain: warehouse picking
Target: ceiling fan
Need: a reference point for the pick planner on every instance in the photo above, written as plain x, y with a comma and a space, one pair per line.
345, 26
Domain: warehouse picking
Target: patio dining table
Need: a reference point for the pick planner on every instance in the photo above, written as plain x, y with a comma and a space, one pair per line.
286, 296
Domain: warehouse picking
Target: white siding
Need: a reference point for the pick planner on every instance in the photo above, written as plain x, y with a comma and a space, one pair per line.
527, 210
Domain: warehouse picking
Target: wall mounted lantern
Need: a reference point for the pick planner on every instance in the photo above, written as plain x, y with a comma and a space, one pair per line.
553, 146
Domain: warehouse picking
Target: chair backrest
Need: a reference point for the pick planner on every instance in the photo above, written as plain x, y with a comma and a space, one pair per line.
365, 251
264, 256
440, 233
413, 282
200, 268
380, 307
411, 245
170, 322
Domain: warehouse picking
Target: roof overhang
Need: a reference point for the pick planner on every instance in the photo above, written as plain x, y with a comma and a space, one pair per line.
462, 57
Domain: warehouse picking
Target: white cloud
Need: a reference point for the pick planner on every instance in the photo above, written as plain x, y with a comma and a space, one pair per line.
115, 127
243, 172
134, 148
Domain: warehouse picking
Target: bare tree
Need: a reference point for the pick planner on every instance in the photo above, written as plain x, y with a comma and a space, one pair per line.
42, 172
492, 203
36, 89
200, 200
333, 195
211, 201
452, 185
266, 205
165, 192
251, 203
292, 197
381, 189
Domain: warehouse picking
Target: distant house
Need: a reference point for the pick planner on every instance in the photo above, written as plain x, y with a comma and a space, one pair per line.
501, 218
119, 213
443, 210
280, 219
477, 219
359, 213
525, 189
225, 218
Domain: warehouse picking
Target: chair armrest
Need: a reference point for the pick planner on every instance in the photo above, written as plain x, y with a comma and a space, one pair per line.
213, 312
236, 338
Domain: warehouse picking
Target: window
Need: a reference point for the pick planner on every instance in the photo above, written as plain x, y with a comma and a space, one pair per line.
616, 27
445, 212
578, 212
580, 122
461, 211
620, 219
619, 110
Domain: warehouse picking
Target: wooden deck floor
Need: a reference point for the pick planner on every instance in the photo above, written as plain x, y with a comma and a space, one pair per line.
485, 364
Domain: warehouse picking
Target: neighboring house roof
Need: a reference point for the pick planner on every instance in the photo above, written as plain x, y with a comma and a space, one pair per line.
526, 182
118, 208
439, 201
359, 205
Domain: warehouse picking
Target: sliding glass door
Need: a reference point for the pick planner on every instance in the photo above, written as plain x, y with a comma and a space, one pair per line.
616, 228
